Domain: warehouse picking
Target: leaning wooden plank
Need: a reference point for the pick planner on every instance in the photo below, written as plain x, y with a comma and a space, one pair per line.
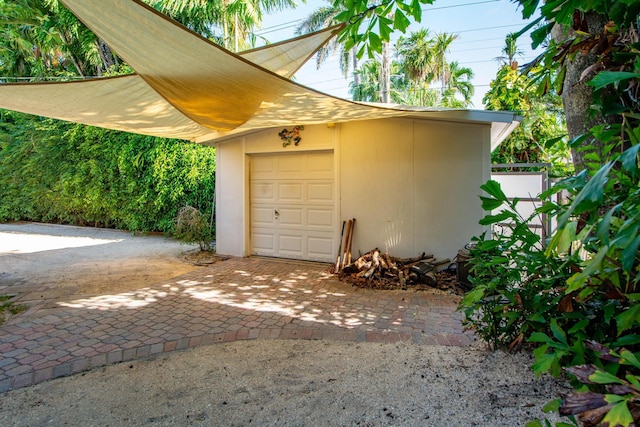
353, 226
337, 268
343, 260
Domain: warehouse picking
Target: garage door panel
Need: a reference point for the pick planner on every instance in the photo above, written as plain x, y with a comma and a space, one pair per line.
263, 242
291, 217
320, 218
262, 216
300, 188
290, 244
323, 162
291, 192
290, 166
320, 192
320, 247
263, 192
263, 167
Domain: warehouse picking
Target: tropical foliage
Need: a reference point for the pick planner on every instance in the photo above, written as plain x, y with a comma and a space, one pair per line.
42, 39
420, 75
53, 171
325, 17
371, 23
583, 285
228, 23
541, 136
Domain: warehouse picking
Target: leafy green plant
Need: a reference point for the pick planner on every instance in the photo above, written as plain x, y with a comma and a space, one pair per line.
192, 226
516, 287
541, 135
611, 395
593, 271
9, 308
53, 171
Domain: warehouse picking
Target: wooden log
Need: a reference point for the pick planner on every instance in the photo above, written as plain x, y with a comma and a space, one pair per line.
362, 263
410, 260
402, 280
411, 264
430, 278
375, 264
350, 269
383, 263
343, 256
337, 268
368, 273
353, 226
390, 263
375, 258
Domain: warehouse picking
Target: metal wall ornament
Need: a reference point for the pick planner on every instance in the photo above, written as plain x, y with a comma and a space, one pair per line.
289, 136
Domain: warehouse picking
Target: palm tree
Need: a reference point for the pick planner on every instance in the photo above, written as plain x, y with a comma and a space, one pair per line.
424, 60
417, 54
510, 51
385, 73
441, 45
458, 82
424, 57
197, 15
41, 39
234, 19
370, 88
325, 17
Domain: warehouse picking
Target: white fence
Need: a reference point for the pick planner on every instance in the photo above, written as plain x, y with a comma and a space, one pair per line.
517, 182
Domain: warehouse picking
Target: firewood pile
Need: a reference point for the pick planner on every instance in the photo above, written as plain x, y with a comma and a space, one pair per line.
376, 270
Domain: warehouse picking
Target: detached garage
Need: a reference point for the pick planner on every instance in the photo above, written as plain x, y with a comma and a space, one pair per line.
409, 175
412, 183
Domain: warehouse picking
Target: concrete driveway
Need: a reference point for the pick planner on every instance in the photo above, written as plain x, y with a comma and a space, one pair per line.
73, 326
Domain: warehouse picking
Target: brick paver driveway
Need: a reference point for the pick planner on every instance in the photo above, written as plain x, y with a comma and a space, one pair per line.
236, 299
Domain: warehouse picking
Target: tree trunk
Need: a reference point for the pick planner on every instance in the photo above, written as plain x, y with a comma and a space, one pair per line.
356, 67
385, 71
576, 94
107, 57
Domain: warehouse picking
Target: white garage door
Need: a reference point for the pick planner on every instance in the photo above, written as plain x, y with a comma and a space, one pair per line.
293, 206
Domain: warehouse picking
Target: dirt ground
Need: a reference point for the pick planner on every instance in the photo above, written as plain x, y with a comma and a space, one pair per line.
270, 382
46, 263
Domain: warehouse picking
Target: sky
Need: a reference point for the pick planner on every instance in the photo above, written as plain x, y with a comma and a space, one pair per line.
480, 24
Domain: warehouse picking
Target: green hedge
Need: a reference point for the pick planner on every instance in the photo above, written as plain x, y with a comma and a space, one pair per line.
54, 171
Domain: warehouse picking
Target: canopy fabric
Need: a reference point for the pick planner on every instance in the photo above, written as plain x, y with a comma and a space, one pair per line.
287, 57
128, 103
122, 103
188, 87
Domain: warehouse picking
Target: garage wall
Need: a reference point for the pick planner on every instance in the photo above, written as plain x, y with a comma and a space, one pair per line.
412, 185
377, 185
230, 199
448, 171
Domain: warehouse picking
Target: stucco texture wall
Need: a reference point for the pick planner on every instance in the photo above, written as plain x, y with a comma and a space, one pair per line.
413, 186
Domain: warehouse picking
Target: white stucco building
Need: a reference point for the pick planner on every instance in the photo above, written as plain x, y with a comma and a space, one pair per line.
411, 183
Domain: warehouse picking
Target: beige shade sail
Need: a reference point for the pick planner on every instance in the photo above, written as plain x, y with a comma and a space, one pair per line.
128, 103
122, 103
187, 87
286, 57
